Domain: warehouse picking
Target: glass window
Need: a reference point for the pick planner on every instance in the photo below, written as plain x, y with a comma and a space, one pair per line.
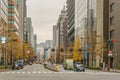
11, 21
111, 7
11, 6
111, 34
10, 14
111, 20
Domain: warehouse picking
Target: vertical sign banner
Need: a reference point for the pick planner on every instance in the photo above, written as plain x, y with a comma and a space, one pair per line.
3, 39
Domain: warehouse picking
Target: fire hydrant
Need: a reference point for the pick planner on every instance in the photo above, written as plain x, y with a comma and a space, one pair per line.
57, 67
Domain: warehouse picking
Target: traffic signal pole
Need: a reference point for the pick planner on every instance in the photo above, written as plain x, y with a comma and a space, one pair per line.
110, 42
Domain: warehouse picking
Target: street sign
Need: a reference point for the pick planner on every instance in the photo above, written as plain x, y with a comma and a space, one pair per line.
28, 51
110, 53
85, 55
3, 39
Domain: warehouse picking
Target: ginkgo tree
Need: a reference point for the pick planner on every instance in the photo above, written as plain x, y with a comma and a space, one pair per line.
25, 53
77, 56
101, 49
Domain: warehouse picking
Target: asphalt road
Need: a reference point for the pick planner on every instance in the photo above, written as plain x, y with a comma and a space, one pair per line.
38, 72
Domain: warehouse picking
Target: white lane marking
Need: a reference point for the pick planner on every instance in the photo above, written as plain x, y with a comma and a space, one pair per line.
13, 72
23, 72
8, 72
44, 72
2, 72
49, 72
55, 72
39, 72
28, 72
60, 72
18, 72
34, 72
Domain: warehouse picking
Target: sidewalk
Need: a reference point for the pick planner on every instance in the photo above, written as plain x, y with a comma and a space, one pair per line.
4, 70
111, 70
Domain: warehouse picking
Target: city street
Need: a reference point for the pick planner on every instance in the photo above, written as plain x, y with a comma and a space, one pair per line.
38, 72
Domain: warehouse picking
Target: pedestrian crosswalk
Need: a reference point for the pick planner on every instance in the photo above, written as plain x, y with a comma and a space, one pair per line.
60, 72
34, 72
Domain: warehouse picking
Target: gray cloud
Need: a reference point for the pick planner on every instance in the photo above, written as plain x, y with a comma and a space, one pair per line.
44, 14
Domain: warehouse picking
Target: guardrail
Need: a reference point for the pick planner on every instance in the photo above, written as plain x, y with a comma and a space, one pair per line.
53, 67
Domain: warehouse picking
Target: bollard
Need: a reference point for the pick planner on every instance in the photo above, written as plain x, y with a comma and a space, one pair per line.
56, 67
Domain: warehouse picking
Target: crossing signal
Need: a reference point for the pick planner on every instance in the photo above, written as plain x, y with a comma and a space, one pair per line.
61, 49
71, 50
53, 49
15, 40
111, 41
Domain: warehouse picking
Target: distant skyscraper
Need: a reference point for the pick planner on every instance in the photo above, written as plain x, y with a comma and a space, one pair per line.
29, 32
35, 43
70, 21
42, 44
48, 44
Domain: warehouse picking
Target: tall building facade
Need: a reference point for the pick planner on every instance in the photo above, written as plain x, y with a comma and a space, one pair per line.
114, 26
70, 21
28, 29
3, 22
48, 44
35, 44
81, 16
20, 4
13, 19
60, 33
42, 44
54, 35
91, 24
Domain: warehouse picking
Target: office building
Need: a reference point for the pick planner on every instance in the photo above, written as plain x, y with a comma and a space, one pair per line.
3, 23
70, 21
114, 26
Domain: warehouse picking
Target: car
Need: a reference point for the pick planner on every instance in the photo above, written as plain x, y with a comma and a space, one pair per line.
37, 62
30, 63
19, 64
79, 67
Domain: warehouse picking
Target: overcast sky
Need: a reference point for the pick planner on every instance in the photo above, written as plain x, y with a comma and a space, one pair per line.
44, 14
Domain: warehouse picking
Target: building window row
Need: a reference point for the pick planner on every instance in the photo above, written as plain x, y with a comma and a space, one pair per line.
10, 14
11, 21
11, 6
112, 7
3, 15
112, 20
4, 7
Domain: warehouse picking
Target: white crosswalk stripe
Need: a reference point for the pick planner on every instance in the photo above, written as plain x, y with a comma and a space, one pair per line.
34, 72
50, 72
28, 72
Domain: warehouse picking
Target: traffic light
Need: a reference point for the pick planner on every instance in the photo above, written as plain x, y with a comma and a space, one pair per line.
53, 49
79, 49
61, 49
111, 41
71, 50
15, 40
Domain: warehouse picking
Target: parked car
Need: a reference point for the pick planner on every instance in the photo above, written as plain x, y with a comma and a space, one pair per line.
30, 63
79, 67
19, 64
